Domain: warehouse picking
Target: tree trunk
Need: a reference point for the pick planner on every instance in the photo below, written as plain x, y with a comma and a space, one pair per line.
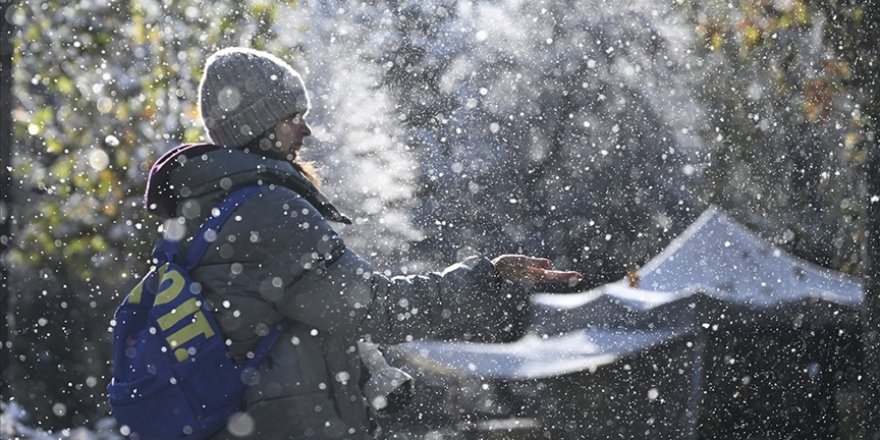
6, 140
870, 60
871, 309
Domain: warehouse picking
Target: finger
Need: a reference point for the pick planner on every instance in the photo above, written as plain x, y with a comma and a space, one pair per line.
551, 275
529, 262
542, 263
511, 259
520, 263
558, 276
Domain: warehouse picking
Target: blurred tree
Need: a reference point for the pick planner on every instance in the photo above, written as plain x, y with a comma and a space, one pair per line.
793, 96
867, 67
562, 128
784, 127
5, 183
101, 89
369, 171
578, 130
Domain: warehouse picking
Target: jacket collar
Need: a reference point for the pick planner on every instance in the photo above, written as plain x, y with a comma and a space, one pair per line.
194, 170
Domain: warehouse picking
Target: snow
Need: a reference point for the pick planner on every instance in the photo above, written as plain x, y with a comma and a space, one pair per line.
533, 357
589, 132
720, 257
13, 426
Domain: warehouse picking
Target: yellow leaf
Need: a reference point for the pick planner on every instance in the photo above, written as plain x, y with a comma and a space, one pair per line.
53, 146
122, 113
155, 36
850, 140
61, 169
751, 35
785, 21
716, 41
98, 243
138, 25
801, 14
192, 112
110, 209
105, 182
65, 85
43, 116
192, 134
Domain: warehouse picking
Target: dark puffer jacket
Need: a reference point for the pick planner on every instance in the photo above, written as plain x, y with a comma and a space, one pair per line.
278, 257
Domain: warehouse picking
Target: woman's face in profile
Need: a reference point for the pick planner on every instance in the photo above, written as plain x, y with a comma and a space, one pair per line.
289, 134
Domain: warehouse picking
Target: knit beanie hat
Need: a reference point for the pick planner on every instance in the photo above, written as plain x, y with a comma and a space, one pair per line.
246, 92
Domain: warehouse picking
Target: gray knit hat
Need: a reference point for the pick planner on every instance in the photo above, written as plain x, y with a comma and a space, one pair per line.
246, 92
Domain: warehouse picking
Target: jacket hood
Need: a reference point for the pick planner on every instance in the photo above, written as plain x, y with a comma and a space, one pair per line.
193, 170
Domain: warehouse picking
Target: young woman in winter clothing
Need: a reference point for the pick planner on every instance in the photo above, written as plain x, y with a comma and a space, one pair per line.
279, 257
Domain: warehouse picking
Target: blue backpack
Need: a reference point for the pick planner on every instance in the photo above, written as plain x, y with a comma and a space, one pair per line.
173, 377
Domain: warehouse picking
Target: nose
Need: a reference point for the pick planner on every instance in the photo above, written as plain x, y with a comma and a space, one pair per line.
307, 131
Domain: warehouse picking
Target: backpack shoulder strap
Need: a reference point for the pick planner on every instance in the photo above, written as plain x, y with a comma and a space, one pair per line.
265, 345
219, 216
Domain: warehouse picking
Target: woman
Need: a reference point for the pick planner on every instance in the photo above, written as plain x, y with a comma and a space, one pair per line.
280, 258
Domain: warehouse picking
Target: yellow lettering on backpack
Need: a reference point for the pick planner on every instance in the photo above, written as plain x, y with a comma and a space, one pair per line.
182, 311
198, 326
172, 291
134, 297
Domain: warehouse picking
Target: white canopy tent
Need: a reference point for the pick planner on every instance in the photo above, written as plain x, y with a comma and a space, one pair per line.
716, 275
720, 257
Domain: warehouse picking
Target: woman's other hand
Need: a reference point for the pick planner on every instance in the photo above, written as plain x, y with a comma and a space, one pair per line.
525, 269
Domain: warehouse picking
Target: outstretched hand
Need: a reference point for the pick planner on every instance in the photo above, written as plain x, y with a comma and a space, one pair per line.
525, 269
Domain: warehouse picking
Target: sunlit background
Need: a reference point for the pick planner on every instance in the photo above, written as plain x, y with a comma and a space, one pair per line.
590, 132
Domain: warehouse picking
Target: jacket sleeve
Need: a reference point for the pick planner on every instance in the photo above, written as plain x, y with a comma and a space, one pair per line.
333, 289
